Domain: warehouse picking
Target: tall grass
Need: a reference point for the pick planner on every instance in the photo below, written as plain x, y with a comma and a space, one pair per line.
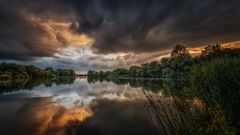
217, 76
218, 82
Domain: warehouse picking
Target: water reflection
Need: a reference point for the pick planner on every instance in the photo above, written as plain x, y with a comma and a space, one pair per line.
179, 107
114, 107
10, 86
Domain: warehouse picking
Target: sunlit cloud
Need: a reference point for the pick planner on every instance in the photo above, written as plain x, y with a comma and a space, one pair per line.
90, 35
198, 50
60, 31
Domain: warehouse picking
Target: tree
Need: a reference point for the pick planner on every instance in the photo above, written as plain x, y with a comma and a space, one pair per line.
90, 73
211, 48
178, 64
179, 50
132, 71
154, 69
49, 69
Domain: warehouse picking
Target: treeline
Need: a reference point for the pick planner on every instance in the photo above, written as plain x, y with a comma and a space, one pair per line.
15, 72
177, 66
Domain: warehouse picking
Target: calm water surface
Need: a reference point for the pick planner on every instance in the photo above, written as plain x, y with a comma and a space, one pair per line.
102, 108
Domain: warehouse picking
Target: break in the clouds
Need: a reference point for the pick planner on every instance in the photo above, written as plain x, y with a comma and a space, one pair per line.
86, 34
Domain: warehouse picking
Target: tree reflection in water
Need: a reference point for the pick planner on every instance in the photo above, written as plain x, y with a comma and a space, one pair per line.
10, 86
177, 107
172, 107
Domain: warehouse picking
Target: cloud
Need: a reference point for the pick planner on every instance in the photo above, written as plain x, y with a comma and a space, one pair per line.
112, 33
27, 34
152, 25
19, 38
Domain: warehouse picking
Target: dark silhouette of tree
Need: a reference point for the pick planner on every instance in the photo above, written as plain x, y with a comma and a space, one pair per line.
179, 50
211, 49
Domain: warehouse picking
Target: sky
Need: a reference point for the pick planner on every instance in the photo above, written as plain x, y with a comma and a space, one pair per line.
108, 34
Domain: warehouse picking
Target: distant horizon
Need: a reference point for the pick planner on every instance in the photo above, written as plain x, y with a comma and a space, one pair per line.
193, 51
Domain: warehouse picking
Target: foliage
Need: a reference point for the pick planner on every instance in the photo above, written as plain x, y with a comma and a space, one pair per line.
218, 80
177, 66
10, 86
13, 75
179, 50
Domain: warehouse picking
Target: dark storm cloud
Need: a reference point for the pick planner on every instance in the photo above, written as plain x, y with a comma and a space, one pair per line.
152, 25
118, 25
19, 38
122, 25
22, 35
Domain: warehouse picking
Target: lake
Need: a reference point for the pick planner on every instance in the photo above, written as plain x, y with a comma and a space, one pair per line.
113, 107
